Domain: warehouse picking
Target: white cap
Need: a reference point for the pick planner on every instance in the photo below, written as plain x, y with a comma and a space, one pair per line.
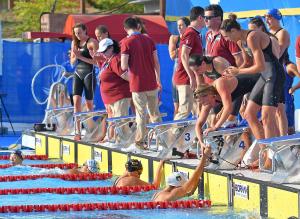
177, 179
103, 44
92, 166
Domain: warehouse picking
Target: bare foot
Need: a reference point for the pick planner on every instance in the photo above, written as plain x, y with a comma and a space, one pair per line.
77, 137
268, 164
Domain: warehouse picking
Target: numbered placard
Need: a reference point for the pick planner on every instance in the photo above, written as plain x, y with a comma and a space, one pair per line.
98, 156
66, 149
38, 142
187, 136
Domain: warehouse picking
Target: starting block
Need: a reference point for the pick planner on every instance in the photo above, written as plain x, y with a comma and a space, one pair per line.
62, 117
227, 145
178, 134
284, 152
124, 130
93, 129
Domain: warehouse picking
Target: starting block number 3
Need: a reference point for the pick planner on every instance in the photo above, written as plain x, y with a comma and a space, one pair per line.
187, 136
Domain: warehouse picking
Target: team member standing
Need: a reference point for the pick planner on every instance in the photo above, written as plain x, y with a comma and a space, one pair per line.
174, 42
184, 77
273, 18
84, 77
268, 88
216, 45
258, 24
114, 86
139, 56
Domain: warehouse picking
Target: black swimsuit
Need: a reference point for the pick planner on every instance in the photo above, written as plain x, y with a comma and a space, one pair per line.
285, 58
117, 180
214, 74
84, 77
269, 88
245, 84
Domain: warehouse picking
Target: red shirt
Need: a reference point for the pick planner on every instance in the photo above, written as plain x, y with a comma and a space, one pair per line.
192, 40
218, 46
140, 49
298, 47
112, 86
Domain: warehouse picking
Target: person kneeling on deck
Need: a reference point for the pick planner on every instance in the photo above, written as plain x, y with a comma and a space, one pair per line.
16, 158
90, 166
134, 170
179, 185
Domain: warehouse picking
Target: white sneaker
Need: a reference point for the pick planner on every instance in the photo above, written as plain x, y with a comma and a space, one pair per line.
133, 148
229, 124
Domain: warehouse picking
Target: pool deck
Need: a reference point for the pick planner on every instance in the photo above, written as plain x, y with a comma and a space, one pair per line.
241, 189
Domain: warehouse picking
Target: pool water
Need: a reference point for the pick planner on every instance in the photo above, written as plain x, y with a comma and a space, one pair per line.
47, 198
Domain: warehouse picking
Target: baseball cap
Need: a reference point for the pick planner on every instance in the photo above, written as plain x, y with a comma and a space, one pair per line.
92, 166
104, 44
177, 179
18, 153
133, 165
275, 13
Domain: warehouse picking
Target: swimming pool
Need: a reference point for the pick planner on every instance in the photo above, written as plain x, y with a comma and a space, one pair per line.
47, 198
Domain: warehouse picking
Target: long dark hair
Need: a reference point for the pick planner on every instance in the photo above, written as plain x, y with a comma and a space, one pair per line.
141, 24
116, 47
229, 24
75, 39
258, 21
103, 29
185, 20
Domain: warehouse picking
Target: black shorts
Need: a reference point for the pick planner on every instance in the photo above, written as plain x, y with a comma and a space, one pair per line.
246, 82
86, 82
268, 91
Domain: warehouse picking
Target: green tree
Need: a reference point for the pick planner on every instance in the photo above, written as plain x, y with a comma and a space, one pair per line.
118, 6
27, 13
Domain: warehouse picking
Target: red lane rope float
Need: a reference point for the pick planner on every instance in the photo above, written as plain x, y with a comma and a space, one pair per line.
27, 157
70, 177
81, 190
46, 166
107, 206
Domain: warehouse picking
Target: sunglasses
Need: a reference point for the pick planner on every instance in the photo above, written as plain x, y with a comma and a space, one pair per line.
210, 17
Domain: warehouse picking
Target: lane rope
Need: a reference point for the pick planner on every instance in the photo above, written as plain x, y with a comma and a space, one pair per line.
69, 177
113, 190
107, 206
27, 157
46, 166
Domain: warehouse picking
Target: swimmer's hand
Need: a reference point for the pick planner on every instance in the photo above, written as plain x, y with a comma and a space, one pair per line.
231, 71
210, 129
207, 152
192, 82
76, 52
